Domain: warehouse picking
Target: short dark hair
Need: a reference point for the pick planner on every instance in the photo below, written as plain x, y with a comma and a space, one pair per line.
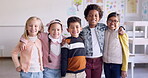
93, 7
72, 20
114, 14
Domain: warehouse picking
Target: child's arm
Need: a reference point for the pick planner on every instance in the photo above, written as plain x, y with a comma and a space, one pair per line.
125, 48
24, 41
64, 60
15, 59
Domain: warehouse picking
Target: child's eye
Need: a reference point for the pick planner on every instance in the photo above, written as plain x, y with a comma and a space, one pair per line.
89, 15
96, 15
58, 29
36, 26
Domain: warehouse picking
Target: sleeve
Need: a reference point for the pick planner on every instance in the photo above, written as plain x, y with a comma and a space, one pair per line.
22, 39
64, 61
125, 48
14, 55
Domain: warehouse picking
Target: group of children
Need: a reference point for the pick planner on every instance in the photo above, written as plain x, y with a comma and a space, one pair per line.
50, 55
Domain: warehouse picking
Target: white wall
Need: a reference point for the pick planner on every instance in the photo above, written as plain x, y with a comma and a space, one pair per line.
9, 36
14, 13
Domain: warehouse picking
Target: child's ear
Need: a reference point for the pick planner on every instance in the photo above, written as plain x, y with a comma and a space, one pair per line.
80, 28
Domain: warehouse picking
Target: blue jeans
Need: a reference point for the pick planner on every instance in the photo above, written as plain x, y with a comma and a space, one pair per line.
112, 70
31, 74
51, 73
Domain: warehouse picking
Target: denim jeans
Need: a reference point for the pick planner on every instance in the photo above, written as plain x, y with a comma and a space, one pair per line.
51, 73
94, 67
112, 70
31, 74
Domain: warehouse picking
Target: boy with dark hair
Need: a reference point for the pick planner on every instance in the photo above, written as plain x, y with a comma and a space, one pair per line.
73, 60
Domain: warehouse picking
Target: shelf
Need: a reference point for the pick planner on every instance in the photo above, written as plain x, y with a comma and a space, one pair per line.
141, 58
138, 33
137, 23
138, 41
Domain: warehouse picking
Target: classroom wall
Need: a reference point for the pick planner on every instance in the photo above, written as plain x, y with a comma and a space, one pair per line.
14, 14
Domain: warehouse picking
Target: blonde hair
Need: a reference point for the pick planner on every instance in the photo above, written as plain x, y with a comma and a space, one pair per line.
25, 35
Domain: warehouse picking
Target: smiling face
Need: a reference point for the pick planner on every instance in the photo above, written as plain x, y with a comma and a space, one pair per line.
33, 27
93, 18
74, 29
113, 23
55, 30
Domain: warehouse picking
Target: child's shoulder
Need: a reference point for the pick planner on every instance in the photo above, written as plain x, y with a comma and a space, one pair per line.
101, 24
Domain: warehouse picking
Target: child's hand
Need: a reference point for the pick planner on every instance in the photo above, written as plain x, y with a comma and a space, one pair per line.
18, 69
22, 46
123, 74
63, 42
121, 31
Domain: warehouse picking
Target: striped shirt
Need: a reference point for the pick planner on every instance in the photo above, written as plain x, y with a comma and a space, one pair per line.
73, 56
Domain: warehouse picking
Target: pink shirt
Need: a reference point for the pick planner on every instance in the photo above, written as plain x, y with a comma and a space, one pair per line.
55, 64
25, 55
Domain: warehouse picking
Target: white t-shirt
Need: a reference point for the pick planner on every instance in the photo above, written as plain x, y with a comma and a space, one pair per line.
95, 45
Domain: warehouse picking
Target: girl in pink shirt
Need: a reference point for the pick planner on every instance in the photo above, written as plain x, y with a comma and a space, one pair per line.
30, 64
51, 49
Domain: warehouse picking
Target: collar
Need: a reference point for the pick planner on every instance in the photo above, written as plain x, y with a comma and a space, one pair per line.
59, 40
32, 38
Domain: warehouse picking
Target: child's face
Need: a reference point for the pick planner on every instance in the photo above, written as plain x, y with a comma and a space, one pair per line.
113, 23
55, 30
33, 26
93, 18
74, 29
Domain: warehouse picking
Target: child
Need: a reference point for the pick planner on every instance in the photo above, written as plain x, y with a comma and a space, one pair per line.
94, 40
51, 49
116, 50
73, 60
93, 35
30, 64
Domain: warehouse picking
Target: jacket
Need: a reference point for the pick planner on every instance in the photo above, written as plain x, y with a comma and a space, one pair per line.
25, 55
86, 34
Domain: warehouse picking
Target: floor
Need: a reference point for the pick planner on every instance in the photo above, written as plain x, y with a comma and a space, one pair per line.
7, 70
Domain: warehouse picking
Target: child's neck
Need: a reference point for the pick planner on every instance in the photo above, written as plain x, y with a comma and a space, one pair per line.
92, 26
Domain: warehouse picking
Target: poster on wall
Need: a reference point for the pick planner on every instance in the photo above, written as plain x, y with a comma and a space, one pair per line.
109, 6
132, 6
115, 6
145, 11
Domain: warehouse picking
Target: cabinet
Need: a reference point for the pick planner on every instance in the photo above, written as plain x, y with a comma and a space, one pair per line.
137, 31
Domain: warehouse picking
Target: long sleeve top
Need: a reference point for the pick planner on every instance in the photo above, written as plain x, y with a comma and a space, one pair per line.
73, 56
55, 64
25, 55
116, 49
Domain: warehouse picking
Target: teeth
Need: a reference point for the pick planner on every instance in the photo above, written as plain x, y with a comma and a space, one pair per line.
112, 25
93, 20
